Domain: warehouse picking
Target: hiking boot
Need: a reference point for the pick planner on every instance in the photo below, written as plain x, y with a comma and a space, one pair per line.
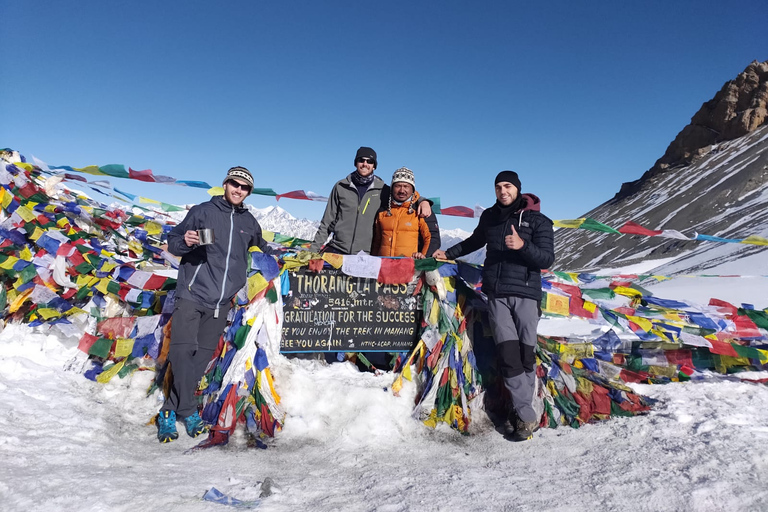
195, 425
166, 426
523, 430
510, 425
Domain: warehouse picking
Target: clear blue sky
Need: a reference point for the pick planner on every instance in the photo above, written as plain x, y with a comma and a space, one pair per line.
577, 97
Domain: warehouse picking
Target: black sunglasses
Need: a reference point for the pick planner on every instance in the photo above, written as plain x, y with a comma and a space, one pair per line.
365, 160
235, 184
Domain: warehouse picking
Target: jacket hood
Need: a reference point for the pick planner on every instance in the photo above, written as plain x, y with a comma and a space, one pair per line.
531, 202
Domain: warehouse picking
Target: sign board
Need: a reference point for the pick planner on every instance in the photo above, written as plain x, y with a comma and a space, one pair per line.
334, 312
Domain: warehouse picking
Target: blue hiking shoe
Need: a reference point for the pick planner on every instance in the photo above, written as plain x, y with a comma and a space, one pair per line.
166, 426
195, 425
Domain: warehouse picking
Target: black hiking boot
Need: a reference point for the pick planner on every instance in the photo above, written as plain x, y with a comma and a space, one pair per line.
523, 431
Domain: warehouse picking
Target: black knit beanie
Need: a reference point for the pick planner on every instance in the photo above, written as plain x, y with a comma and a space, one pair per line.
511, 177
365, 152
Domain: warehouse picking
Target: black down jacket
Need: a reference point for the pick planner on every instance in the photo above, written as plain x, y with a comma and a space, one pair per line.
507, 272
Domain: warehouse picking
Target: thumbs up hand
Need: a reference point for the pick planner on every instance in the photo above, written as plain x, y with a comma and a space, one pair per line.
513, 241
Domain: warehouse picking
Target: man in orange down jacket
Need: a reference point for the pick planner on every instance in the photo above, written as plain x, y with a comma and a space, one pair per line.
397, 229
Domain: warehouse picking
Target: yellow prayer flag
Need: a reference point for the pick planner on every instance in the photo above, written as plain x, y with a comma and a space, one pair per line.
271, 383
590, 306
48, 313
572, 223
25, 165
574, 276
434, 314
7, 199
557, 304
641, 322
147, 200
216, 191
36, 234
25, 254
627, 292
19, 300
256, 283
397, 385
25, 213
153, 228
448, 284
107, 375
407, 372
269, 236
755, 240
124, 347
91, 169
334, 260
102, 286
136, 247
9, 263
108, 266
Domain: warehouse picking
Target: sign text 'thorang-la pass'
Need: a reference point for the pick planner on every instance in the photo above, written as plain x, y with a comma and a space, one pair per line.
332, 311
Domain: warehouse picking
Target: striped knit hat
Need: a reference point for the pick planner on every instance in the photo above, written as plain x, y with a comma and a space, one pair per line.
239, 173
402, 175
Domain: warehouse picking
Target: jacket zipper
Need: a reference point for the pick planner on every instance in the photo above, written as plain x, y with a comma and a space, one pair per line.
357, 217
226, 267
194, 276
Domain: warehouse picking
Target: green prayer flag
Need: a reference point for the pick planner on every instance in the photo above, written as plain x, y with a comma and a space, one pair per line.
116, 170
598, 293
241, 335
760, 318
427, 264
748, 352
593, 225
101, 348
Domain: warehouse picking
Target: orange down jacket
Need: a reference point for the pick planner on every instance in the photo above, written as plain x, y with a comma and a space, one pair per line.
398, 234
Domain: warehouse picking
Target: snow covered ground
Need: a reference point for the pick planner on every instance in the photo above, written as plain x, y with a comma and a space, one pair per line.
349, 444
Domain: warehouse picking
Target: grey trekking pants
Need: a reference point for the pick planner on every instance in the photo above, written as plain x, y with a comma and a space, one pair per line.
194, 336
514, 321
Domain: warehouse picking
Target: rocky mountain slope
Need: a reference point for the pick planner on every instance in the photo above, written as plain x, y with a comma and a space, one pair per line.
713, 179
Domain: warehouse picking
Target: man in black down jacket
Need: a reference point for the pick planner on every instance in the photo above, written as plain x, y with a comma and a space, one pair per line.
209, 277
520, 243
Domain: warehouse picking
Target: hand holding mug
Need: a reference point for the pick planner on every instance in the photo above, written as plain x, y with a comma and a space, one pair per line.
191, 238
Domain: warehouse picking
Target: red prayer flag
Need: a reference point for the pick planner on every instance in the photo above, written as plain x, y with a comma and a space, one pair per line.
632, 228
396, 271
722, 348
86, 342
458, 211
145, 175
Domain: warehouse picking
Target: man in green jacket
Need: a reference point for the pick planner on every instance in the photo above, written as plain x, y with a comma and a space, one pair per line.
352, 207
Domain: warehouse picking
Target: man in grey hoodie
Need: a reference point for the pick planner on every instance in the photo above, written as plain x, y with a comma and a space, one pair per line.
210, 275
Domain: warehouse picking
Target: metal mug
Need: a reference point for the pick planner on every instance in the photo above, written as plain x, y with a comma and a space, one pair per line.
205, 236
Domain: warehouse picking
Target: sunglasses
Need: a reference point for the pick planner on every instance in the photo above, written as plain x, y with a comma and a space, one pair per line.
235, 184
364, 160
